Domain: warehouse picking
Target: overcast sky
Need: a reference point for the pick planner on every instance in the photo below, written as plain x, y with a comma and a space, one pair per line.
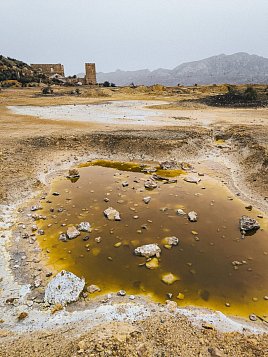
130, 34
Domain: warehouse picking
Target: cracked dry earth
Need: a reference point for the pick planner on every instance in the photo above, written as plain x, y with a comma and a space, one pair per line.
33, 150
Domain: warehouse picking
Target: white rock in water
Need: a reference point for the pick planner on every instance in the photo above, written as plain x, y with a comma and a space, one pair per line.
93, 289
192, 179
112, 214
84, 227
72, 232
147, 199
148, 250
192, 216
171, 240
64, 288
180, 212
63, 237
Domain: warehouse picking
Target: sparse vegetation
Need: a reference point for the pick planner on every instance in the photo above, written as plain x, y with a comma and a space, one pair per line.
14, 70
235, 97
106, 84
47, 90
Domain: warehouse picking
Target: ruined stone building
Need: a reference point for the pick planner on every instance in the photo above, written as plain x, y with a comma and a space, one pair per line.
49, 69
90, 77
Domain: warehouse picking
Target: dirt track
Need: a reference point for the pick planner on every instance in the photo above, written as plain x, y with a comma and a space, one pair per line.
32, 148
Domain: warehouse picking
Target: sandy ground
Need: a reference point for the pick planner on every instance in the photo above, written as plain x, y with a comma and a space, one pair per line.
224, 141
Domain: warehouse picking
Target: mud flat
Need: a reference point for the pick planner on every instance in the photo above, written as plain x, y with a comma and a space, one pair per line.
113, 112
44, 149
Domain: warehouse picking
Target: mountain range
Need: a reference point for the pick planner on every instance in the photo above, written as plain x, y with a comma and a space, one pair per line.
237, 68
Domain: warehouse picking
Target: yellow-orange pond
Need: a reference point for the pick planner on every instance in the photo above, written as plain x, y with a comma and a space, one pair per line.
213, 267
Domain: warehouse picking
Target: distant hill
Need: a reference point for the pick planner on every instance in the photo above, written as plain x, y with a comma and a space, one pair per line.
12, 63
234, 69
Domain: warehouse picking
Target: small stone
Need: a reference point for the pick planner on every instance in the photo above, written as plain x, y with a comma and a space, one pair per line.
253, 317
111, 214
118, 244
171, 241
169, 278
34, 228
72, 232
84, 227
152, 264
180, 212
192, 179
93, 289
147, 199
248, 224
180, 296
227, 304
168, 165
98, 239
22, 316
55, 194
125, 184
73, 173
171, 305
25, 236
63, 237
35, 208
150, 184
192, 216
37, 283
148, 250
121, 293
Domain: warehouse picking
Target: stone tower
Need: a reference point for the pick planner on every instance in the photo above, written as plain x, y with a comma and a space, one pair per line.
90, 77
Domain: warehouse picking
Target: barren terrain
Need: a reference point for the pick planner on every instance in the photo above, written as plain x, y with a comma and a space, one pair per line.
230, 144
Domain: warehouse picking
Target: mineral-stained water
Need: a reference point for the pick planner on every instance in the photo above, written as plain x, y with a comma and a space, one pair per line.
212, 266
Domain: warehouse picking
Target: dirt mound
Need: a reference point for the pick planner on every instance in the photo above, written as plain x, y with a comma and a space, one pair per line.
156, 336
